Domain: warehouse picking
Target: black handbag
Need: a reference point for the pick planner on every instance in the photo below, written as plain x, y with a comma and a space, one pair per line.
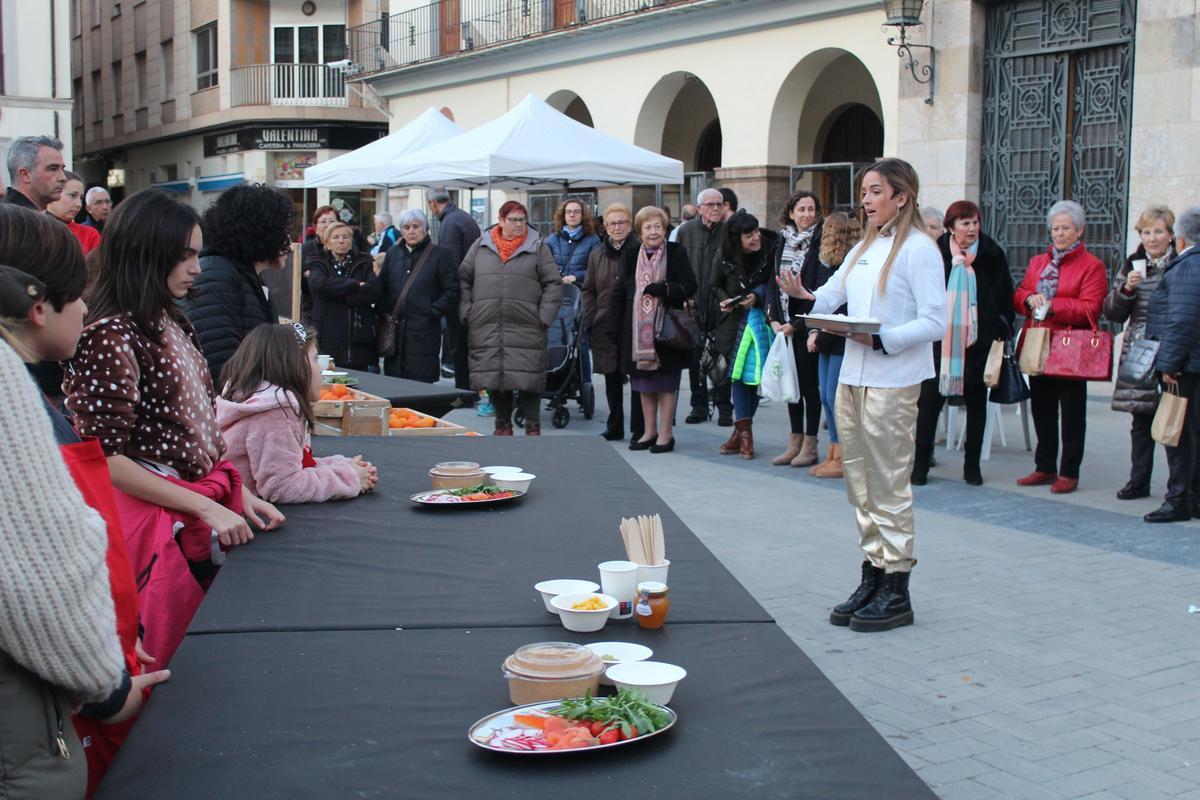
1012, 387
676, 328
1137, 367
713, 363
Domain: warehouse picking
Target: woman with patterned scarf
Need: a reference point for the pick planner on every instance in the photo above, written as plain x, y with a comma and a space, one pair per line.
740, 282
655, 276
798, 255
1071, 283
1129, 301
978, 311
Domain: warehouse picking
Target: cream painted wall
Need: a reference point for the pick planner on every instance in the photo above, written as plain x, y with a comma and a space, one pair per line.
1164, 159
745, 97
287, 12
28, 106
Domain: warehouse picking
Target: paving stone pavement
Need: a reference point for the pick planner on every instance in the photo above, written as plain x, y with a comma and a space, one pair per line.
1052, 655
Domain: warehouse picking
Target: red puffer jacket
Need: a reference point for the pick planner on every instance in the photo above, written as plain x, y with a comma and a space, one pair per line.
1082, 286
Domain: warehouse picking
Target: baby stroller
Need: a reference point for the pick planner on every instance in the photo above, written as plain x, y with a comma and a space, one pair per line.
565, 378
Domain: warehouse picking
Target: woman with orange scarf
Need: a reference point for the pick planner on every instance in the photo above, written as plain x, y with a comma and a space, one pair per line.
511, 290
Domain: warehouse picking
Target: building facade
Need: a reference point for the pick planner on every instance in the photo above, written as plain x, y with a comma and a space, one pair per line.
1030, 101
35, 70
194, 96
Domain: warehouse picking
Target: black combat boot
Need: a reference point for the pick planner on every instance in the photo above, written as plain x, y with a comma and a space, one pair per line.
871, 576
890, 608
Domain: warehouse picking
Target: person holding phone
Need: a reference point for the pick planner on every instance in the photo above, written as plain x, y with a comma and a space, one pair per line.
894, 275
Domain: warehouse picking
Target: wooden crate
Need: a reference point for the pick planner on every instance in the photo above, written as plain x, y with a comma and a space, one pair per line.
440, 428
360, 414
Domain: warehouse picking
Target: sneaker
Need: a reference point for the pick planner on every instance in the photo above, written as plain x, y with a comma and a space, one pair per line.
485, 409
447, 372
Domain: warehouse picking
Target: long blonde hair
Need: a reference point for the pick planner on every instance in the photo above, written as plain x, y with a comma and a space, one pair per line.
837, 238
902, 178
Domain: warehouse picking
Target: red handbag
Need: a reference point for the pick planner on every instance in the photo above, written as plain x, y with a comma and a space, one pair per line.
1080, 354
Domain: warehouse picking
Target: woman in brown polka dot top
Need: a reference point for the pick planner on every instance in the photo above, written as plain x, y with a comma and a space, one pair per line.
139, 382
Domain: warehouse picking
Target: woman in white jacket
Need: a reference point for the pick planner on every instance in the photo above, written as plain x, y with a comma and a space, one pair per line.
894, 275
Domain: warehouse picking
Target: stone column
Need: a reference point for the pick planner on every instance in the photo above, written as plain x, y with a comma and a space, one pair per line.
942, 140
761, 190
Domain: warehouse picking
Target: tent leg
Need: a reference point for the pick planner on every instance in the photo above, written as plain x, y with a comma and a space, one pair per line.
487, 220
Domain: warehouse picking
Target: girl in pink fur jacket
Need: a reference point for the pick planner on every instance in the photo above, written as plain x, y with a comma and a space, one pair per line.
265, 416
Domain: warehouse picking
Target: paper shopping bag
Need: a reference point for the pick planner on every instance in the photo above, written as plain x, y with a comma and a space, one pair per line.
1035, 348
1168, 420
995, 360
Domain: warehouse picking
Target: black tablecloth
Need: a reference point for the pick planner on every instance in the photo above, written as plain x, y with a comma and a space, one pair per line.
380, 561
428, 398
385, 713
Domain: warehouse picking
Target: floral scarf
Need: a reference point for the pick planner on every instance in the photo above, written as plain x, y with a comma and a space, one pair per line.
962, 319
1047, 284
795, 250
651, 268
506, 247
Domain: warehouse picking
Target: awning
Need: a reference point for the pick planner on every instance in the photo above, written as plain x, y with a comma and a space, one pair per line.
173, 186
219, 183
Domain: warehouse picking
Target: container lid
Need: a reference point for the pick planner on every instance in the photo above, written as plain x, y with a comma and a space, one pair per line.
652, 587
449, 468
553, 661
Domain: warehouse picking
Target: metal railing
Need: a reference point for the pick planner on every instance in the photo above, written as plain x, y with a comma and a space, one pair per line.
449, 27
287, 85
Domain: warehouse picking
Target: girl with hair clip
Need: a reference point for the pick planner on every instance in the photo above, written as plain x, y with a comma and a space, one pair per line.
265, 415
894, 275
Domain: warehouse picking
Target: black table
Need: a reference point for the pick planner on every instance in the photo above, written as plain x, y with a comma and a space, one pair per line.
336, 714
381, 561
429, 398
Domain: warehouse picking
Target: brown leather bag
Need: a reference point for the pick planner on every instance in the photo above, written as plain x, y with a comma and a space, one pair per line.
385, 340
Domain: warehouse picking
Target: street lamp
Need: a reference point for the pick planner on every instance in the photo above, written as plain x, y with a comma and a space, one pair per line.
905, 14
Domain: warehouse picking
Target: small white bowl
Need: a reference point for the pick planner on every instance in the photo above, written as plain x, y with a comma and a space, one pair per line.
621, 652
655, 679
580, 621
518, 481
497, 470
552, 589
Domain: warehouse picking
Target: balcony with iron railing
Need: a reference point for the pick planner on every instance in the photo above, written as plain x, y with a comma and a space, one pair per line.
288, 85
447, 28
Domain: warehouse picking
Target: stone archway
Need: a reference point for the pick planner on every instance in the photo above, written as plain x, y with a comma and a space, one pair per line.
572, 105
679, 119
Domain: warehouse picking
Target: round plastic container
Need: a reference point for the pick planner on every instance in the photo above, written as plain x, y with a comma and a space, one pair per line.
456, 475
551, 671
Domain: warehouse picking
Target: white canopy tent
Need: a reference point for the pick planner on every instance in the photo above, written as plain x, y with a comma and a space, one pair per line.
363, 167
532, 146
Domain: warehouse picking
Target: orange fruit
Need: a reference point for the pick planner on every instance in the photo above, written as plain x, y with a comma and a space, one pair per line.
339, 390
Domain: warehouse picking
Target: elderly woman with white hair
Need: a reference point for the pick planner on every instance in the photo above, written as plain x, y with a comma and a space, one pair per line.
932, 221
418, 285
1065, 286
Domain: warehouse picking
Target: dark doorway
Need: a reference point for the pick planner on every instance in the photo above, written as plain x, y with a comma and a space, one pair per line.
708, 148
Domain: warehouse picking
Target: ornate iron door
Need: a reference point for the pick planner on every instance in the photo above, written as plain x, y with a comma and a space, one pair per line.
1057, 98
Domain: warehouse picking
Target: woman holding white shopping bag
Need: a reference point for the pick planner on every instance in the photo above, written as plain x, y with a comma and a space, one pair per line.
894, 275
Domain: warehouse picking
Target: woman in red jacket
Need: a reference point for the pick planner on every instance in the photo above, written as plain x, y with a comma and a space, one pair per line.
1065, 286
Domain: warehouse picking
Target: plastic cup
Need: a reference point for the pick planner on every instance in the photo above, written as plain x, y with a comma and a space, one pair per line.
1138, 265
619, 579
323, 361
655, 572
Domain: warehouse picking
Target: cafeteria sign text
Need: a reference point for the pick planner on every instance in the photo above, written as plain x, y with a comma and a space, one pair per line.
289, 137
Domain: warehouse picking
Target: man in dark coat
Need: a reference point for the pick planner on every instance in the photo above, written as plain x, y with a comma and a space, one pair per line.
701, 238
1174, 319
434, 294
457, 233
246, 231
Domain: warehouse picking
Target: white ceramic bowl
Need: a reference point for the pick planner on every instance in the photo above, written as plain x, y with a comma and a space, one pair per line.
655, 679
552, 589
582, 621
620, 652
497, 470
513, 480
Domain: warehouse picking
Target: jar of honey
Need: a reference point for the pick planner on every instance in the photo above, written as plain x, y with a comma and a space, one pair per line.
652, 604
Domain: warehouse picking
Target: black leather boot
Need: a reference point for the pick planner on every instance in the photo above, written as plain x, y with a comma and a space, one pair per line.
871, 576
890, 608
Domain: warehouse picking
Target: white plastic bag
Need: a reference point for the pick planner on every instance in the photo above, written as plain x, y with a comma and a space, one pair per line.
779, 381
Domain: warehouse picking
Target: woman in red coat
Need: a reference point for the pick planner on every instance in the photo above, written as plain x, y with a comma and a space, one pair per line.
1069, 283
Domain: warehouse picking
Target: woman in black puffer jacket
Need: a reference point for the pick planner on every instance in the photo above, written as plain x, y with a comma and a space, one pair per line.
246, 231
343, 300
1129, 301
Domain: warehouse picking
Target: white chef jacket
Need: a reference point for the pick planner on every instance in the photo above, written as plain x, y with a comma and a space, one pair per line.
912, 310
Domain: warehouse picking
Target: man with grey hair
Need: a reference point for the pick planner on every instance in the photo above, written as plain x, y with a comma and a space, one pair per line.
36, 172
1173, 319
457, 233
386, 234
701, 238
99, 205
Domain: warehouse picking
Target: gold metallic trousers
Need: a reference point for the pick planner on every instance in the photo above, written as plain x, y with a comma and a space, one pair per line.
875, 431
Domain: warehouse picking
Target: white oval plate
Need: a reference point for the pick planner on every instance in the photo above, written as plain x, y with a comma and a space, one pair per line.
501, 720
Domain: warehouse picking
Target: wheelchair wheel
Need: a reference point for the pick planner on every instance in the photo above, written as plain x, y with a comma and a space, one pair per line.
561, 417
589, 400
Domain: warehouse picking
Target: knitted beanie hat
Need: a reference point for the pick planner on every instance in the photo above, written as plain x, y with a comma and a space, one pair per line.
18, 292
